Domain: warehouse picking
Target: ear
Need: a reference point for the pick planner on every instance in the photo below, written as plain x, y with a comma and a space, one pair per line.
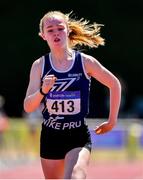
42, 36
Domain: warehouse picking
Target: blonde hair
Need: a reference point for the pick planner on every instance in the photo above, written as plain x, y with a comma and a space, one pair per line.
81, 32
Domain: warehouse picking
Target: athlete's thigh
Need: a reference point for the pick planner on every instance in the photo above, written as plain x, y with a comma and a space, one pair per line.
52, 169
76, 157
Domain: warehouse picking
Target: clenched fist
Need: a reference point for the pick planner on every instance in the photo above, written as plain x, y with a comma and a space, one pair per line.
48, 82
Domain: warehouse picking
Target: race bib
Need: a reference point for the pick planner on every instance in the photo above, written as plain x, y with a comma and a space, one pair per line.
63, 103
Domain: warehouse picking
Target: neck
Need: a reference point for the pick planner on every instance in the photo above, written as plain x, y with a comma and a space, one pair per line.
61, 55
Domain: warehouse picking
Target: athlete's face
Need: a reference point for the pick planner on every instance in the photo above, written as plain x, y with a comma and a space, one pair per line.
55, 32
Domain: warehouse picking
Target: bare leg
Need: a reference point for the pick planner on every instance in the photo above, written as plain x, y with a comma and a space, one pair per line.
52, 169
76, 162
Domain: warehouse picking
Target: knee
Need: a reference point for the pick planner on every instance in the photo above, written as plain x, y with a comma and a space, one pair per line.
78, 173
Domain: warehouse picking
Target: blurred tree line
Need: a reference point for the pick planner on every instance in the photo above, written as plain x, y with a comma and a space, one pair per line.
21, 45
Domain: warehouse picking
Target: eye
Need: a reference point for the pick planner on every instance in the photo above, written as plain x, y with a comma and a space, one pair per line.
50, 30
61, 29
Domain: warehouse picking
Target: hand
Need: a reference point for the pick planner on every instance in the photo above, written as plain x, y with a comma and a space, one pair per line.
48, 82
103, 128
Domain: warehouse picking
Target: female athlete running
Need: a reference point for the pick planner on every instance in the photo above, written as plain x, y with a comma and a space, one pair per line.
60, 80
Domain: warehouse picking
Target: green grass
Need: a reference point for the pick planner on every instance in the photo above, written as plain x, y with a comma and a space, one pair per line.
17, 140
116, 155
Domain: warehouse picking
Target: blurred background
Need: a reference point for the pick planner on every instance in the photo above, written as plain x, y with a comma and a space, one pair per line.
122, 55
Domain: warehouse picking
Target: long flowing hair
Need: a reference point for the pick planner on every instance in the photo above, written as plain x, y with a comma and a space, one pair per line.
81, 31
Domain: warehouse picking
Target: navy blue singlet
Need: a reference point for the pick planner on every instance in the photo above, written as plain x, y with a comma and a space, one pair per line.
66, 105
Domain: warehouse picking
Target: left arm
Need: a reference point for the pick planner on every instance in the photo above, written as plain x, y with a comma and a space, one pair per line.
104, 76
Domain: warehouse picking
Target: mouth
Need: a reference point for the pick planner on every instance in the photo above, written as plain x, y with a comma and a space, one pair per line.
56, 39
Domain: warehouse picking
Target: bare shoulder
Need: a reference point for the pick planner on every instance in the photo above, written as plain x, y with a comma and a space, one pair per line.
95, 69
37, 66
35, 76
90, 62
38, 63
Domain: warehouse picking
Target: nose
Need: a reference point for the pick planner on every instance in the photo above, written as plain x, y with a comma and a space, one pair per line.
56, 33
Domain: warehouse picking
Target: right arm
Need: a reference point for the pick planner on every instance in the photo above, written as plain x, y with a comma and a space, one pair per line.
33, 96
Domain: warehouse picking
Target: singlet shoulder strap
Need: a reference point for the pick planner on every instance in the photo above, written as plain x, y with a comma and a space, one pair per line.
80, 64
46, 65
77, 62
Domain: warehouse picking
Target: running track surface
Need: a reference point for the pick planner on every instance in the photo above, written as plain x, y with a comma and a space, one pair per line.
124, 170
